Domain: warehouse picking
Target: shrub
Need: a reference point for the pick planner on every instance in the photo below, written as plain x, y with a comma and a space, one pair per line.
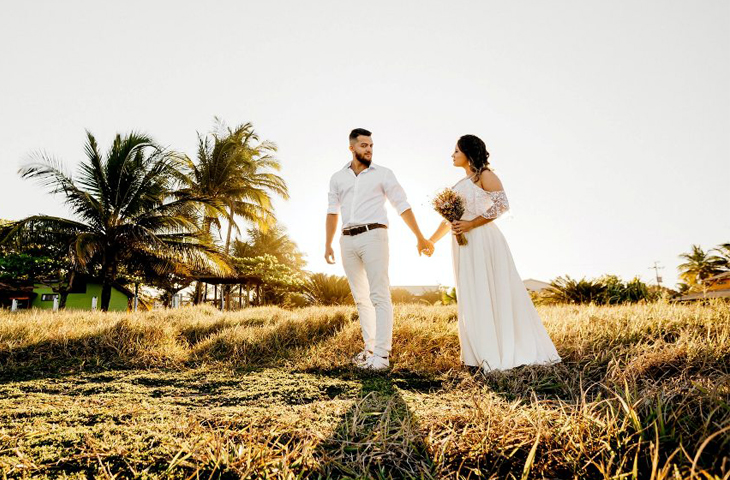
323, 289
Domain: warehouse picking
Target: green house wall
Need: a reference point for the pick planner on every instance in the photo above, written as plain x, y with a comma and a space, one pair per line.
81, 301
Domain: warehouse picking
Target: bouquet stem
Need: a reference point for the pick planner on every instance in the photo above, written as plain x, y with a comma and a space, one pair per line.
461, 239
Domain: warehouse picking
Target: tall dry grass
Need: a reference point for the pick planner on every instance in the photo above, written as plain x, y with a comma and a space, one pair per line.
643, 390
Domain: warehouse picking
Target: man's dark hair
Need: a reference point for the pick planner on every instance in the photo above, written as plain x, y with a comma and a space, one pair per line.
357, 132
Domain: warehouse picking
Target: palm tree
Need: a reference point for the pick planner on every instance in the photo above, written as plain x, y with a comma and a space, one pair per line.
233, 169
699, 265
124, 212
569, 290
235, 173
323, 289
724, 250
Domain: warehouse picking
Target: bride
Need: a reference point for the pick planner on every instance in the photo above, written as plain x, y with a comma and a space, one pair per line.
499, 327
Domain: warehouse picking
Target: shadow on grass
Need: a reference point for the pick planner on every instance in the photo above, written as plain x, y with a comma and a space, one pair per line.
379, 436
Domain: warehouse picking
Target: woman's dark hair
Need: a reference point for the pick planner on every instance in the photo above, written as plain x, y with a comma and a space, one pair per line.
357, 132
476, 153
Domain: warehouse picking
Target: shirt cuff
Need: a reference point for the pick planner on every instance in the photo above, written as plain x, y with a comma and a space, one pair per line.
333, 209
402, 207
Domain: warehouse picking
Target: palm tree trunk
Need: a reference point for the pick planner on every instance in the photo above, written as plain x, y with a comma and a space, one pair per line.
207, 222
198, 295
227, 288
63, 291
230, 229
108, 277
106, 295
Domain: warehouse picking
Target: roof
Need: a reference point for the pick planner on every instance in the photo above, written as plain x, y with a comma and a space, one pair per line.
231, 280
418, 289
719, 276
123, 289
89, 279
535, 285
6, 287
704, 295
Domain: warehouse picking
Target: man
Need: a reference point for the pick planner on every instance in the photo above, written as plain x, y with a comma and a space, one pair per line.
358, 191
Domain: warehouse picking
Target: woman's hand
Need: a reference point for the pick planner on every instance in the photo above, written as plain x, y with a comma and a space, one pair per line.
461, 226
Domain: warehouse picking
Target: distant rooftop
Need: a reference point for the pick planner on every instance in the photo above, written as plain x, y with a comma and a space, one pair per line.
418, 289
535, 285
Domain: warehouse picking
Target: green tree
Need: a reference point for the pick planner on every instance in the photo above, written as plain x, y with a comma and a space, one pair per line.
699, 265
123, 211
274, 278
274, 241
448, 297
22, 267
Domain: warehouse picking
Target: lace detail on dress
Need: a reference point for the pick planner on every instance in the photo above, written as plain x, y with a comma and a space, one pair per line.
479, 202
499, 204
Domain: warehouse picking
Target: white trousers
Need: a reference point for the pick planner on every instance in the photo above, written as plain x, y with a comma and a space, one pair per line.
365, 258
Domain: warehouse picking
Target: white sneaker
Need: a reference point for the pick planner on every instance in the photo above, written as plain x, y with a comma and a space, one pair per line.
361, 358
376, 363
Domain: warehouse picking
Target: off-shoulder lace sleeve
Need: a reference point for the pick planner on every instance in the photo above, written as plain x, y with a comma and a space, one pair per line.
499, 204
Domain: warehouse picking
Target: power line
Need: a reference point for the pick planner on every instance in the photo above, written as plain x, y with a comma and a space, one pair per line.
656, 269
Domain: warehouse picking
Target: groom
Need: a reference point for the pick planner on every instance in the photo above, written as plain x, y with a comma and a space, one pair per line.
358, 191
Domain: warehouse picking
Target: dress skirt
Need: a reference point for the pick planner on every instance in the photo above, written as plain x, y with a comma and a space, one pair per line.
499, 327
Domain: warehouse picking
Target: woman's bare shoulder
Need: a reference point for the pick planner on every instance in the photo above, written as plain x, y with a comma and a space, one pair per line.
489, 181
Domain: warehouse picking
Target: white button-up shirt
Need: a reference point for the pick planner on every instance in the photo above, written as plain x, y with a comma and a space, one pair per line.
361, 198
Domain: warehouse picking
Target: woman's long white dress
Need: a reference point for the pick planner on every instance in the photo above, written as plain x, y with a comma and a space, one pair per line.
499, 327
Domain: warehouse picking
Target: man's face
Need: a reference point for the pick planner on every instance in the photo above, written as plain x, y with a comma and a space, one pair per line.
363, 149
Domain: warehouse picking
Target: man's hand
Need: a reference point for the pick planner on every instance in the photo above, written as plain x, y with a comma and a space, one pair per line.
329, 255
425, 247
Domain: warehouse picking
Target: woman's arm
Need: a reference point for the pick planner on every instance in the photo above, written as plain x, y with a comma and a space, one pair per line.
442, 230
463, 226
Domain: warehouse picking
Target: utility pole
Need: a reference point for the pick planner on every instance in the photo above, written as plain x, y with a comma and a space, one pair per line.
656, 269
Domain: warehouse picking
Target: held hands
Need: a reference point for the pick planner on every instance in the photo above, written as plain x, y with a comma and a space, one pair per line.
425, 247
461, 226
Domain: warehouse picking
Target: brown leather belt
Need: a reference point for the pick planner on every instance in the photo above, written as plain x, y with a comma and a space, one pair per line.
362, 229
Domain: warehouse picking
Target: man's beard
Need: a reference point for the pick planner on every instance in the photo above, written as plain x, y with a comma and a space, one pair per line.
363, 160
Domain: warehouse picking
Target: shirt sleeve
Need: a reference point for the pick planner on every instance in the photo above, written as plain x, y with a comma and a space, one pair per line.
333, 197
395, 193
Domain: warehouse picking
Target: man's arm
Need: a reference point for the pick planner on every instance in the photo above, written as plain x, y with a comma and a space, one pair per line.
329, 253
397, 197
424, 245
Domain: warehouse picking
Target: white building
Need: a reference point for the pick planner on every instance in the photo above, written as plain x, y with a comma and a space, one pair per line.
418, 290
533, 285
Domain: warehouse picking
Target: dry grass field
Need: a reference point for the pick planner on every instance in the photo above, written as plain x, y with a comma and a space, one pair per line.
643, 392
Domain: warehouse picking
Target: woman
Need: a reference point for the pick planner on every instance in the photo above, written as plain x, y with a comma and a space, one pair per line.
499, 327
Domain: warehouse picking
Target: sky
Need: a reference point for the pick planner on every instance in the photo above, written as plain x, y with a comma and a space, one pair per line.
607, 122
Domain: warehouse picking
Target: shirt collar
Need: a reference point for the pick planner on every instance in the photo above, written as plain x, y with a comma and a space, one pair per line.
371, 167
